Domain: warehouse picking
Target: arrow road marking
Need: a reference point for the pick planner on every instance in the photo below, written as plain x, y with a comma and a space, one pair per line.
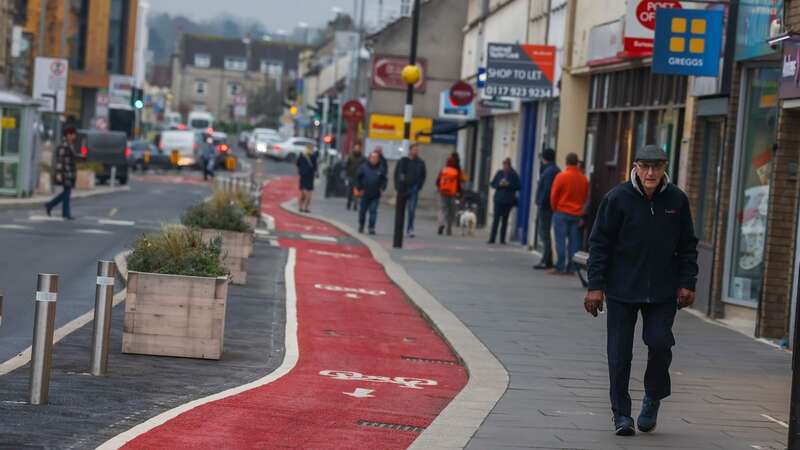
360, 393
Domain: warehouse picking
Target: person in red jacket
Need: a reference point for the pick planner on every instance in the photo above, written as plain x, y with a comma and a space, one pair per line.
567, 198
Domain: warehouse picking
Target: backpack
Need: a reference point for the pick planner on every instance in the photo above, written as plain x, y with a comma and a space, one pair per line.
448, 182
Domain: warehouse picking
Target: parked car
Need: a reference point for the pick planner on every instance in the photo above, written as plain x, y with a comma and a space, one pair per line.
145, 155
290, 149
108, 148
180, 146
261, 143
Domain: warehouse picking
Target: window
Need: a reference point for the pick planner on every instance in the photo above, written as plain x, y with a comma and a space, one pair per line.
200, 87
202, 60
272, 68
234, 88
748, 220
117, 36
76, 39
235, 63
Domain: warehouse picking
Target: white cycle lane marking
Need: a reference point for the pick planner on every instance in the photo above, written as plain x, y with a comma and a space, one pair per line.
316, 237
361, 393
336, 255
403, 382
352, 293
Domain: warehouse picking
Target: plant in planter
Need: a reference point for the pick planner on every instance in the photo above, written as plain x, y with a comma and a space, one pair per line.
176, 296
223, 219
87, 170
249, 206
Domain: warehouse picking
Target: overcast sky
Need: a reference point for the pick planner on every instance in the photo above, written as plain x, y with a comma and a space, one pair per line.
275, 14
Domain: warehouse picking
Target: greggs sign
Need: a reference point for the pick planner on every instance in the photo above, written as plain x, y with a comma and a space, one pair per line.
391, 128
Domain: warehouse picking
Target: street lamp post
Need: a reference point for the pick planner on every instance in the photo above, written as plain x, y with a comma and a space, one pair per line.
411, 75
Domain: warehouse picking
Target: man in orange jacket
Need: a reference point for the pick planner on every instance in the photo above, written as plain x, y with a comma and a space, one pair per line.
567, 198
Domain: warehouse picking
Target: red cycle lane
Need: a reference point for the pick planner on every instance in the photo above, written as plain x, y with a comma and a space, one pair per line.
371, 371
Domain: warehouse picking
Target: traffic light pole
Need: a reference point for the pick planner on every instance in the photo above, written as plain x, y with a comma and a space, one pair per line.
408, 114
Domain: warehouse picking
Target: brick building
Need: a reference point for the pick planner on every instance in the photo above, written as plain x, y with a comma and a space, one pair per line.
742, 175
209, 72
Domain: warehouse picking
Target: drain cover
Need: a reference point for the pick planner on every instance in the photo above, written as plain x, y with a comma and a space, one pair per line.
445, 362
390, 426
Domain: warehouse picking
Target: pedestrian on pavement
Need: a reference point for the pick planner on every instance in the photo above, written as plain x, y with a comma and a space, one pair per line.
642, 258
354, 161
568, 196
208, 158
547, 175
409, 178
384, 164
506, 184
65, 171
371, 181
307, 169
449, 185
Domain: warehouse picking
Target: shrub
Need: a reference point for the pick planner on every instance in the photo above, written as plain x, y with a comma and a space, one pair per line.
218, 214
177, 250
241, 198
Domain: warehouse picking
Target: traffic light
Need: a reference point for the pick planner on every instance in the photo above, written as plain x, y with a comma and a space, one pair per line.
137, 98
293, 110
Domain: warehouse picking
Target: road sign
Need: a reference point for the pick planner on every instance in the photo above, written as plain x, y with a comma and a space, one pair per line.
449, 110
461, 94
522, 71
100, 123
120, 91
640, 24
240, 106
353, 111
688, 42
50, 84
386, 72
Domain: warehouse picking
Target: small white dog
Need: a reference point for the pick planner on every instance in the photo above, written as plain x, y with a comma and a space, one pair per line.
468, 220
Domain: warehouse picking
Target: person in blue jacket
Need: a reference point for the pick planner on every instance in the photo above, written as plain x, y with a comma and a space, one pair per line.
642, 259
506, 184
547, 175
371, 181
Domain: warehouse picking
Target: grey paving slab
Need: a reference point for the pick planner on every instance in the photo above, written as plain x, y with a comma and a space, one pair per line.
555, 353
84, 411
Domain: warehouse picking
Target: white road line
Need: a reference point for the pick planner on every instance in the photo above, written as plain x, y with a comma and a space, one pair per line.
25, 356
93, 231
274, 243
38, 218
772, 419
269, 220
123, 223
289, 361
13, 226
315, 237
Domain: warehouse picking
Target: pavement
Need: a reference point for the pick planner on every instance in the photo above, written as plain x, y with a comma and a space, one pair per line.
729, 391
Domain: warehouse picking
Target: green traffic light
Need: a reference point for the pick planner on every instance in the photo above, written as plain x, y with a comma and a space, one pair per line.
138, 104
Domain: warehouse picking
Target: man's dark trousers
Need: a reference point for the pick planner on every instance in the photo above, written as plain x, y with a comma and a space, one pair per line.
657, 320
545, 219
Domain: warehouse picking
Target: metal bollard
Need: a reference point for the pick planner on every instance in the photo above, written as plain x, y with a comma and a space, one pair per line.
103, 304
113, 180
42, 348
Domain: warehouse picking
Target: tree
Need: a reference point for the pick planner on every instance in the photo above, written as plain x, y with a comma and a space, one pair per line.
266, 106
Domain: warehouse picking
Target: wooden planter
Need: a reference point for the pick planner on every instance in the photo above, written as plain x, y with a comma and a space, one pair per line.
252, 222
174, 315
85, 180
45, 183
236, 248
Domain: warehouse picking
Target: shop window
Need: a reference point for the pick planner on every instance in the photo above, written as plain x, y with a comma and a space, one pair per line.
751, 198
10, 119
709, 176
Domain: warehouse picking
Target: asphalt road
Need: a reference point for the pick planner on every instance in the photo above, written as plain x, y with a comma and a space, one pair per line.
104, 226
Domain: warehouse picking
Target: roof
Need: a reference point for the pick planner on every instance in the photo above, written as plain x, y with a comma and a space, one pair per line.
218, 48
13, 98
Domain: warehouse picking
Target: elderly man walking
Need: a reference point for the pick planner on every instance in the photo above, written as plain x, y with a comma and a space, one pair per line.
642, 259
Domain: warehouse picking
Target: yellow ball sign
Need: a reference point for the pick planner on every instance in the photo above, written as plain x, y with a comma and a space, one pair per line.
411, 74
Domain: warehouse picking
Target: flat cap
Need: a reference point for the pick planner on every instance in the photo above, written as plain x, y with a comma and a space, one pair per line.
651, 153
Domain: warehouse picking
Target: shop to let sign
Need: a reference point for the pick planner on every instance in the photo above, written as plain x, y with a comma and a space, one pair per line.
521, 71
688, 42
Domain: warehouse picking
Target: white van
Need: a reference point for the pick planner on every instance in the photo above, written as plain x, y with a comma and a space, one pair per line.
200, 120
184, 142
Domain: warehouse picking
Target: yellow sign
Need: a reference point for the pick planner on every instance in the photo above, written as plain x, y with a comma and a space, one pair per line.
391, 128
7, 123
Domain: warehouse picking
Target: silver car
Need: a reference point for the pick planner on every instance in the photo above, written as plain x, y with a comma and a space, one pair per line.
290, 149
